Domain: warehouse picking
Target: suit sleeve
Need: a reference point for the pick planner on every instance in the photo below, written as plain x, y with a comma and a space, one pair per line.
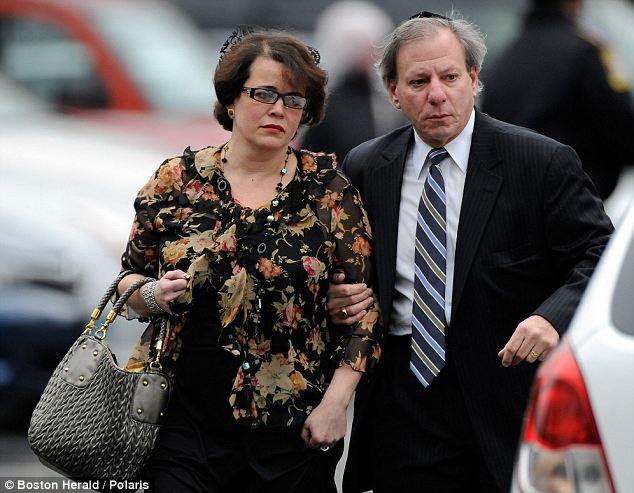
577, 231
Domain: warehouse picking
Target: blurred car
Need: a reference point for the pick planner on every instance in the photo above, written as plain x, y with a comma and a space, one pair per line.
139, 66
66, 197
578, 431
39, 317
616, 205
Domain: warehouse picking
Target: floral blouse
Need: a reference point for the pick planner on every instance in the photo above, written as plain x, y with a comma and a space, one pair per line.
259, 278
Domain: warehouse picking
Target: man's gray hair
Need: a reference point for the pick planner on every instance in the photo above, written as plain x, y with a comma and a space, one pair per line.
467, 33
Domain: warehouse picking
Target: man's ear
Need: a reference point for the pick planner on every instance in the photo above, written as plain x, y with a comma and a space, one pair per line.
393, 96
473, 75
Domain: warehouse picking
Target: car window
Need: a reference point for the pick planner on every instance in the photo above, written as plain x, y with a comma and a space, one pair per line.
15, 101
45, 59
170, 60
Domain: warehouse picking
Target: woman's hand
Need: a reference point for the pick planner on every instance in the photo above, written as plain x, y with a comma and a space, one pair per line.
170, 287
325, 426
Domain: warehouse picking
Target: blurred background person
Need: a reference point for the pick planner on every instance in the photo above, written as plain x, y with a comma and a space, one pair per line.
346, 32
558, 79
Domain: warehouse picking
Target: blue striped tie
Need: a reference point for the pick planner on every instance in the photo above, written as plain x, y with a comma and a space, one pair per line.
428, 314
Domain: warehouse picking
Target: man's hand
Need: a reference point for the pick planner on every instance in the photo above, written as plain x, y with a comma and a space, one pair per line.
354, 298
533, 339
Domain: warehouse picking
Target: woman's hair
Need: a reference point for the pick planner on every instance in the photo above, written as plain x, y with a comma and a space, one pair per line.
235, 65
466, 32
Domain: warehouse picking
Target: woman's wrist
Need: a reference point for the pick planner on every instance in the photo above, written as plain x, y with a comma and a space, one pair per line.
335, 399
148, 295
342, 387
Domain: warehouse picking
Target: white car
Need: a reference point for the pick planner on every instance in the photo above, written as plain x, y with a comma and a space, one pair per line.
579, 427
66, 203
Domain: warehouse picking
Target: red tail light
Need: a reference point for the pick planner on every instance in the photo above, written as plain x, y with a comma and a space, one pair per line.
561, 450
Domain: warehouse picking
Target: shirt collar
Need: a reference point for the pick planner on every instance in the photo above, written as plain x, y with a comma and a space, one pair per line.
458, 148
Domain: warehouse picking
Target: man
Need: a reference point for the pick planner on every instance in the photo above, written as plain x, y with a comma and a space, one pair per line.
485, 237
557, 79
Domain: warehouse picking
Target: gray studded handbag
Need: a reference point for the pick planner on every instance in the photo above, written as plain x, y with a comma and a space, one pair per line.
94, 419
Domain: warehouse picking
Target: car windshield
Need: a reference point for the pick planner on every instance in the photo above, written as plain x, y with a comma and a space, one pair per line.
164, 53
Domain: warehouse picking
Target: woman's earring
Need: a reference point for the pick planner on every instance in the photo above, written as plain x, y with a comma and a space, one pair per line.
231, 112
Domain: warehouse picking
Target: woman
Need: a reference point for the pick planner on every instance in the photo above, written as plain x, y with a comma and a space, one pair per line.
243, 237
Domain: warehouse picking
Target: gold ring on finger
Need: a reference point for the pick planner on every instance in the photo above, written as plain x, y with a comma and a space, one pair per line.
534, 354
343, 313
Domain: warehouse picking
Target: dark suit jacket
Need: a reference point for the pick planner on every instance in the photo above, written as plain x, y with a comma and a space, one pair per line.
531, 231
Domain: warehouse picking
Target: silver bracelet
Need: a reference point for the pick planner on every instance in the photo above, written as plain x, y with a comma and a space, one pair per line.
147, 293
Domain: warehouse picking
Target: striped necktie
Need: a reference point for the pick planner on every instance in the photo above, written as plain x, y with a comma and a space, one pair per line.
428, 314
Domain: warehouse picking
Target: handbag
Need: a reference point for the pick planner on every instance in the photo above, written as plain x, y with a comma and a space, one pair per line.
94, 419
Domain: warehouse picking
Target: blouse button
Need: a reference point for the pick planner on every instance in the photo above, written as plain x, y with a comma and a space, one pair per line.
246, 366
275, 202
270, 218
222, 184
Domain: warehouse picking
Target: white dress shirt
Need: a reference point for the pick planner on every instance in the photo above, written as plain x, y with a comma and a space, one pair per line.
454, 172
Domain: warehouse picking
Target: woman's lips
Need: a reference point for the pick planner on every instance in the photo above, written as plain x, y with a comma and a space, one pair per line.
276, 128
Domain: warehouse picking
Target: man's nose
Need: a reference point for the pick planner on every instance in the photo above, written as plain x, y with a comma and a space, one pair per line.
436, 92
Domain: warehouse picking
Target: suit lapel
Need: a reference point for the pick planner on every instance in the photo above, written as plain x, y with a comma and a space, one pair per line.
482, 186
383, 196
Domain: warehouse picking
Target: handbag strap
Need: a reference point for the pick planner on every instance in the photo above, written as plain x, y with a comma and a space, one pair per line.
96, 313
158, 345
116, 310
155, 364
118, 306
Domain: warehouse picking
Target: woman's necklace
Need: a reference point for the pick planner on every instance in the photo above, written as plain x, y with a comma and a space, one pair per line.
280, 186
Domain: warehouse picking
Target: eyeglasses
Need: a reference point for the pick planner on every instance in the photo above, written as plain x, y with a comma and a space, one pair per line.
269, 96
428, 15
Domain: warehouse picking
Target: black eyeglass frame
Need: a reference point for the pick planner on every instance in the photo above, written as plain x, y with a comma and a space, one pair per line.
250, 91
